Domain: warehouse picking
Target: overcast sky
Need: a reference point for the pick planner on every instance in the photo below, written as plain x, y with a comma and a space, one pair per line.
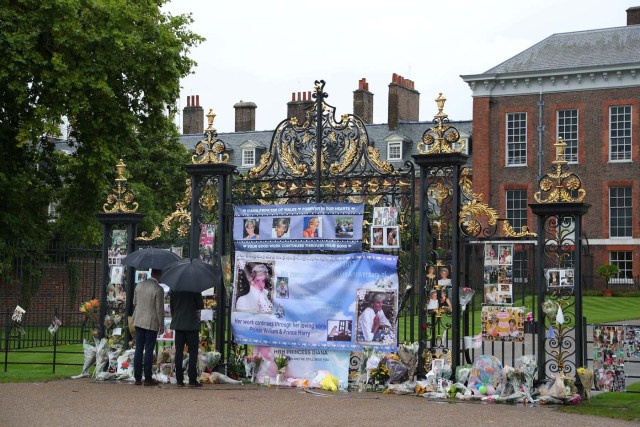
263, 50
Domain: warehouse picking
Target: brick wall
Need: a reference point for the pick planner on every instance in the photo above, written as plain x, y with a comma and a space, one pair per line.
492, 177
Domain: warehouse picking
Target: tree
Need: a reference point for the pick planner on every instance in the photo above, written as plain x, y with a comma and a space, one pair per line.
112, 69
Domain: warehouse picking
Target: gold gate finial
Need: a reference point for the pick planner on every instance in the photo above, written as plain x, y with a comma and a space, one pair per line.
560, 185
121, 199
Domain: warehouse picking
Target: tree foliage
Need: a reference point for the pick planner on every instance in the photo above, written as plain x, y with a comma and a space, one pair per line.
112, 69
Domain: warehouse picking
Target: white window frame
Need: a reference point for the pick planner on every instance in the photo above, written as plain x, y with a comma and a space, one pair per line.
620, 131
568, 131
508, 209
393, 146
516, 139
620, 216
625, 266
245, 161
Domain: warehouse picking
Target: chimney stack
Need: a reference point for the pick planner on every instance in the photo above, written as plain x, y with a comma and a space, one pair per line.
193, 116
363, 102
245, 116
404, 101
633, 15
297, 106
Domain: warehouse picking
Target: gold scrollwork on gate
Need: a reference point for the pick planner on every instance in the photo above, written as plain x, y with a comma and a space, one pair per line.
181, 216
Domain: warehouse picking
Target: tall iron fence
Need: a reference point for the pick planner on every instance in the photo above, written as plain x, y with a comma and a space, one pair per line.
49, 281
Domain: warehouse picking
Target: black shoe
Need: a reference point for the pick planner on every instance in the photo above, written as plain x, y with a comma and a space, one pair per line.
195, 385
151, 382
180, 384
138, 382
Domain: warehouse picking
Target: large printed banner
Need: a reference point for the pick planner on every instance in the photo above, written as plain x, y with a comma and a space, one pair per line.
336, 227
324, 302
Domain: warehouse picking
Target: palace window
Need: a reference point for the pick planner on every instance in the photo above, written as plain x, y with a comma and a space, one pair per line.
516, 139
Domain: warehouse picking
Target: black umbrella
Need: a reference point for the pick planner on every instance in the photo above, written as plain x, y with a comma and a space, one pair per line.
191, 276
154, 258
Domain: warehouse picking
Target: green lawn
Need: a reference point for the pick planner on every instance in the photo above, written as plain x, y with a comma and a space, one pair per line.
624, 406
36, 364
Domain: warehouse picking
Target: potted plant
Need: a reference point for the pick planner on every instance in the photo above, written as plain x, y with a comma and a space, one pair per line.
607, 272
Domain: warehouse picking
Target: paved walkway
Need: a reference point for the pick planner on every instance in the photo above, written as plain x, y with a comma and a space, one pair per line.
85, 402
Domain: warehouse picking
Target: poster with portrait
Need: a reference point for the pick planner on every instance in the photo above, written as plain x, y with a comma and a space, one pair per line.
167, 333
295, 300
376, 314
291, 227
500, 323
608, 357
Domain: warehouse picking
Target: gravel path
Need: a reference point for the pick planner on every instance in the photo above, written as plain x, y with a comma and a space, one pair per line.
85, 402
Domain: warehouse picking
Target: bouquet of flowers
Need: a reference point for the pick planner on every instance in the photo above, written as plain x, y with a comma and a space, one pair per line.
208, 360
89, 359
408, 354
380, 375
550, 308
206, 336
91, 309
466, 294
251, 366
586, 378
397, 369
281, 362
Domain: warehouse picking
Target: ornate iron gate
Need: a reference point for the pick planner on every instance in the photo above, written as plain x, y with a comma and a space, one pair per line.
325, 160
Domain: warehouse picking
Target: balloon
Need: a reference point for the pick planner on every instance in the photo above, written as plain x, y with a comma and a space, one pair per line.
483, 389
491, 390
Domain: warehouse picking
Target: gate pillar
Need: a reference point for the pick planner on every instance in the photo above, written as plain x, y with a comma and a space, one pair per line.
210, 194
559, 210
440, 161
120, 211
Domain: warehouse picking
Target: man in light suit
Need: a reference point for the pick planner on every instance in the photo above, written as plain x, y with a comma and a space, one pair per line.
148, 318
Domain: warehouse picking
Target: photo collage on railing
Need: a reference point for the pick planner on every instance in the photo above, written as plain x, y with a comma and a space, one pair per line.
613, 345
500, 320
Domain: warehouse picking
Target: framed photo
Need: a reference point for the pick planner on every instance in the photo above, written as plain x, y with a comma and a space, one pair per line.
117, 273
559, 278
377, 237
142, 275
392, 237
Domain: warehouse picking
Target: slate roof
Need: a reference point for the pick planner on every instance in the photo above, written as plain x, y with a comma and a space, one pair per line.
612, 47
411, 131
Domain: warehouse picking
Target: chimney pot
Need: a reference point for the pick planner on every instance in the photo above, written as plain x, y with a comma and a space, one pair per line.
198, 100
188, 101
293, 96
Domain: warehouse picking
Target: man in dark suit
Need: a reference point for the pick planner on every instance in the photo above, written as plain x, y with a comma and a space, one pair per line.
148, 318
185, 322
